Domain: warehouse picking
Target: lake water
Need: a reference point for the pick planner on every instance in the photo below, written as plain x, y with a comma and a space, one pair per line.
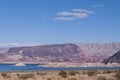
33, 67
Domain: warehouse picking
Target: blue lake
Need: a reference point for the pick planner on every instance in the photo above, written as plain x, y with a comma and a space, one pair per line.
34, 67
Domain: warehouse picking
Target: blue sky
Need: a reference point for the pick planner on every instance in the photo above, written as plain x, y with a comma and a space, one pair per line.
59, 21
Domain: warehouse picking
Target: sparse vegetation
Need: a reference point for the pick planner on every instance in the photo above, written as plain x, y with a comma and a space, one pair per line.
42, 73
73, 79
25, 76
91, 72
5, 75
49, 78
117, 75
101, 78
73, 73
110, 79
107, 71
63, 74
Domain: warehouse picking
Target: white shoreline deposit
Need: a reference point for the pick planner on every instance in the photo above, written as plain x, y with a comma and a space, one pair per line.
20, 64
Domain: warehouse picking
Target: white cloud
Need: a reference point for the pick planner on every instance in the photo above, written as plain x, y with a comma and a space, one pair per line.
73, 15
63, 18
83, 11
97, 5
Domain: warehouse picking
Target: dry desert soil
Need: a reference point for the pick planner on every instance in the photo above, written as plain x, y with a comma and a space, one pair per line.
62, 75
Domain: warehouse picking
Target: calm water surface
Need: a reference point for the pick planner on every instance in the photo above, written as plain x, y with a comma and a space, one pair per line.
31, 67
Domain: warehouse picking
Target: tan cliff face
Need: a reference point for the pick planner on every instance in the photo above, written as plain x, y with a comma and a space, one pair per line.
95, 52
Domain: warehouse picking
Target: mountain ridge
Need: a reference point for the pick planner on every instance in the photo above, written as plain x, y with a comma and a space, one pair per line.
69, 52
115, 58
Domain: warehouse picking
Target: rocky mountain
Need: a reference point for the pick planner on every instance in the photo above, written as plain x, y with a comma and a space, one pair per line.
101, 48
54, 53
81, 52
20, 44
113, 59
3, 50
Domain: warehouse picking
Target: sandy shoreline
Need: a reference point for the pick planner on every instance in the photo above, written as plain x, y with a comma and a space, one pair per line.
67, 64
56, 64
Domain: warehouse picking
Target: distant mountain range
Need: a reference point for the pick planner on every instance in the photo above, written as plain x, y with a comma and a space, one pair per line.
8, 45
80, 52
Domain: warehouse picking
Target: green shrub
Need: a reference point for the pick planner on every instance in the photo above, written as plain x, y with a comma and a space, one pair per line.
63, 74
102, 78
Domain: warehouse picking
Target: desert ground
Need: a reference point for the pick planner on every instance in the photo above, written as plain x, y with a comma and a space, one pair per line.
62, 75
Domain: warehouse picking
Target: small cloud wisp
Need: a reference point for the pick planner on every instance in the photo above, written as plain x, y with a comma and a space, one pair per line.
73, 15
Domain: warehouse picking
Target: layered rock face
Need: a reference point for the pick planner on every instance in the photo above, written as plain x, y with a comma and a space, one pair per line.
113, 59
83, 53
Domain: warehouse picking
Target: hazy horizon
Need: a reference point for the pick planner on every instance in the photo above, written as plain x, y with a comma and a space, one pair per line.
25, 44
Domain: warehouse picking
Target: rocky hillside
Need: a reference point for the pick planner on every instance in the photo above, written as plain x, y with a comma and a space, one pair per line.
57, 52
113, 59
100, 48
95, 52
3, 50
